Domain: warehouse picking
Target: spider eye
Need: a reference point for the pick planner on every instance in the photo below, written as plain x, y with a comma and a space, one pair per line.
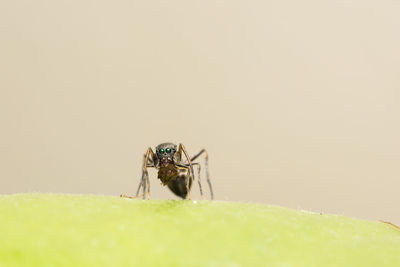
161, 150
168, 150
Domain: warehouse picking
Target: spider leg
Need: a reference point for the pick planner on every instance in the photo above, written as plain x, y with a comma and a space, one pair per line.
148, 161
199, 179
191, 172
148, 185
141, 181
145, 175
392, 224
203, 151
126, 196
140, 186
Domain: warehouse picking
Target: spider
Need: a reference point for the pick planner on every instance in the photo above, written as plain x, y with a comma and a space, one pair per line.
173, 170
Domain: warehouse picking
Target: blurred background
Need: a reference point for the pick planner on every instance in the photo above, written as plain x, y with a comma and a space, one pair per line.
297, 102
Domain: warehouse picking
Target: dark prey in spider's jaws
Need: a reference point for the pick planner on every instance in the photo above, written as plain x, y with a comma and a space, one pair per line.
174, 170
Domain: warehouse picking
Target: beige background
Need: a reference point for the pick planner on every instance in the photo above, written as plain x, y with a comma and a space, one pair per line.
296, 101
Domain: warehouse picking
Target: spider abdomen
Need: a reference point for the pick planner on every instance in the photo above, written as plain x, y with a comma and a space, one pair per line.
178, 186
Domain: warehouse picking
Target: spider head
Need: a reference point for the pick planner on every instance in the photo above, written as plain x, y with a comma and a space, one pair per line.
165, 152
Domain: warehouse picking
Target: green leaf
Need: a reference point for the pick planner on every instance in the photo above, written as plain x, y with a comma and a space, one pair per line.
86, 230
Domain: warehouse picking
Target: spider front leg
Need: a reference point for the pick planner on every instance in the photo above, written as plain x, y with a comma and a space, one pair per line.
148, 162
191, 172
203, 151
150, 156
